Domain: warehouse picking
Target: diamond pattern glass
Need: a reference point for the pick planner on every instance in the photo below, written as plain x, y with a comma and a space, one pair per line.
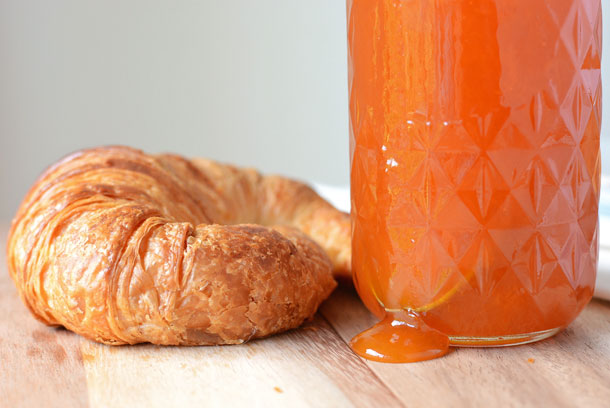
475, 162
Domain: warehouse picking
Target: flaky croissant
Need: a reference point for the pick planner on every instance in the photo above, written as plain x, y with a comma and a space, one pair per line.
124, 247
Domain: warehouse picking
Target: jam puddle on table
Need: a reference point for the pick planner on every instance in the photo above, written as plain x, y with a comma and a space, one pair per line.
401, 337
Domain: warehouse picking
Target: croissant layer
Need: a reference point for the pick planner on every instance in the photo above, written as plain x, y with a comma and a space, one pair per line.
124, 247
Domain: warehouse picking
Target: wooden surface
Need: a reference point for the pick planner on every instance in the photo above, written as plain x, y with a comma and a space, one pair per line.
308, 367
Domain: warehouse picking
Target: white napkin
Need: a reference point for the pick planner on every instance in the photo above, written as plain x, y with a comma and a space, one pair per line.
339, 197
602, 284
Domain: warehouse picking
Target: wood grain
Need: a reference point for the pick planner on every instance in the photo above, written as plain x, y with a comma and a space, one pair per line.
309, 367
571, 369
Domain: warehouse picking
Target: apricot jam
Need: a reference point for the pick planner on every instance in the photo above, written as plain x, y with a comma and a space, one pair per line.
475, 169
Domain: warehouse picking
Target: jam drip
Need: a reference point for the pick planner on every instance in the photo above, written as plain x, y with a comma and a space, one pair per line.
401, 337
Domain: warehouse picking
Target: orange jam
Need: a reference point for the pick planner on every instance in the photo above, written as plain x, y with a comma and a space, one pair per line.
475, 169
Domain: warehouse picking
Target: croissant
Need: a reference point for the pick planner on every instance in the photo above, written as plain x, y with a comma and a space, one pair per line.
123, 247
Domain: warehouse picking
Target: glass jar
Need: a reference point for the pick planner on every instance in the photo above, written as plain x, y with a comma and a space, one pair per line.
475, 168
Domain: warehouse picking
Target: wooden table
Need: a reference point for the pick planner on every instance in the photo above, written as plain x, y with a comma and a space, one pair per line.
309, 367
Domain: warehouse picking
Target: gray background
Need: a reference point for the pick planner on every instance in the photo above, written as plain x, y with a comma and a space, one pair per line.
254, 82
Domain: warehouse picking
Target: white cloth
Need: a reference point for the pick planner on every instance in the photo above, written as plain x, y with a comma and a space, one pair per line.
339, 197
602, 284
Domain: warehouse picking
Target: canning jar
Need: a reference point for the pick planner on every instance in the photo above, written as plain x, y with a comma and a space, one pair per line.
475, 169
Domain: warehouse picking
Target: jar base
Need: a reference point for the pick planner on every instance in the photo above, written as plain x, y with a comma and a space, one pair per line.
503, 341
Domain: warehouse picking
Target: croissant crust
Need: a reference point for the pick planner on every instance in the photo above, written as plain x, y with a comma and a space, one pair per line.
124, 247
